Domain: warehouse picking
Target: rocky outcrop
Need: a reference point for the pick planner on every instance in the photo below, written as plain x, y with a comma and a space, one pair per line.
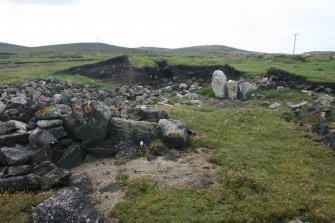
67, 205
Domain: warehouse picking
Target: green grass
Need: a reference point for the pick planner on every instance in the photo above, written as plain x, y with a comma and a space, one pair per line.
268, 171
15, 208
313, 68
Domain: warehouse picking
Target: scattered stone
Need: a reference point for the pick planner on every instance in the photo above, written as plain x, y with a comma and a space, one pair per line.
82, 181
232, 89
66, 205
174, 133
274, 105
111, 188
294, 106
191, 96
7, 127
20, 183
245, 88
320, 128
55, 178
72, 157
219, 81
49, 123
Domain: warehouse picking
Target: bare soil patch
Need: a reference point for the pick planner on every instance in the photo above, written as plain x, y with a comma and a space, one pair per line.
189, 170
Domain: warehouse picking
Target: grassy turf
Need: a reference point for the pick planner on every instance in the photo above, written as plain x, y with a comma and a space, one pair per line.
268, 171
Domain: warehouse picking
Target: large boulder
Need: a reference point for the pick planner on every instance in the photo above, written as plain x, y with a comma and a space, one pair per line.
232, 89
67, 205
20, 183
134, 131
88, 123
245, 88
219, 82
174, 133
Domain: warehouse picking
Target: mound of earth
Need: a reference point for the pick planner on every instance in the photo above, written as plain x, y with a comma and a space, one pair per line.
121, 70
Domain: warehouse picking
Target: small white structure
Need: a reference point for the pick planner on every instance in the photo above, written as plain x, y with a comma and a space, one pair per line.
232, 89
219, 82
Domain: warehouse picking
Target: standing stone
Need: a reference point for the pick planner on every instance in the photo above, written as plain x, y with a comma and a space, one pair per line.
219, 82
232, 89
68, 205
88, 124
174, 133
245, 88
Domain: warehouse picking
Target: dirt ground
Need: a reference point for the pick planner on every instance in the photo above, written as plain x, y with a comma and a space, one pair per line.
185, 170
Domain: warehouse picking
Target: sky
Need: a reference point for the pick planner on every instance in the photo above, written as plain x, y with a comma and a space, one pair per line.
257, 25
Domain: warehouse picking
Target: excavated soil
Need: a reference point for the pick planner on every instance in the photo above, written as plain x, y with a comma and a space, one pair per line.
188, 170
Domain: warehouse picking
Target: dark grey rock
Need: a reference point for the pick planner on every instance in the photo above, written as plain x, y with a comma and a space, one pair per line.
7, 127
191, 96
50, 112
55, 178
15, 171
43, 168
58, 132
68, 205
18, 101
82, 181
134, 131
102, 151
72, 157
49, 123
320, 128
2, 159
19, 125
111, 188
42, 154
41, 138
19, 137
174, 133
17, 157
88, 124
149, 114
20, 183
2, 107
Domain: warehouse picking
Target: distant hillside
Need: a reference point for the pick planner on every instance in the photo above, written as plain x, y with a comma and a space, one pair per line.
11, 48
106, 48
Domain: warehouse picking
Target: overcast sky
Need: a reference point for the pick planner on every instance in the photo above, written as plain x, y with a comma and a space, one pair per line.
257, 25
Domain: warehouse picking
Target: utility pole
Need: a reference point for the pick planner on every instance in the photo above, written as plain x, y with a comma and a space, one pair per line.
98, 50
295, 40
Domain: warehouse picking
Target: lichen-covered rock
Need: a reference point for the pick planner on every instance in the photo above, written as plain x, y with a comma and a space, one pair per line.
43, 168
174, 133
18, 137
245, 88
134, 131
219, 81
20, 183
49, 123
88, 123
7, 127
232, 89
68, 205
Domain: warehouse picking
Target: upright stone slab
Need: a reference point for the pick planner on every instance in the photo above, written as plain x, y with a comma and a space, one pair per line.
219, 82
232, 89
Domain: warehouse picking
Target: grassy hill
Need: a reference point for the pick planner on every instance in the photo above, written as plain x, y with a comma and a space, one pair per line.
106, 48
